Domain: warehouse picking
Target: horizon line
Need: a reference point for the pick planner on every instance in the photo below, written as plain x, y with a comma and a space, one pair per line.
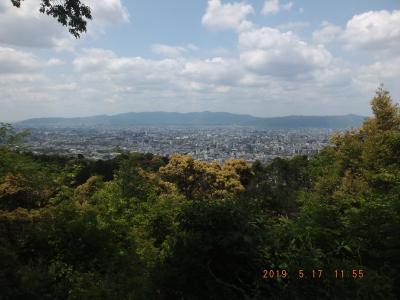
181, 113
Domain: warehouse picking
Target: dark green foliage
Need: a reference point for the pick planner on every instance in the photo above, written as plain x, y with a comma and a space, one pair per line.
66, 253
215, 255
277, 186
104, 168
148, 162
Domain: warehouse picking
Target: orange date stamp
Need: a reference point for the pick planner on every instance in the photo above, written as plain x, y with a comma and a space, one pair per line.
317, 273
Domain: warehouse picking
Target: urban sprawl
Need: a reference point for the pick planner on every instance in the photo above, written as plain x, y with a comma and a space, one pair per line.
205, 143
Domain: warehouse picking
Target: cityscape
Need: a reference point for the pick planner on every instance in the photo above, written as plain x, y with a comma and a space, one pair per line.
204, 143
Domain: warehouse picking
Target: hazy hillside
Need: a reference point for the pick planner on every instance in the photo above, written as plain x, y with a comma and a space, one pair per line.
345, 121
197, 119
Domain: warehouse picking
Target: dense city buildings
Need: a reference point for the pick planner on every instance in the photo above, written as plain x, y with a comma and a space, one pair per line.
205, 143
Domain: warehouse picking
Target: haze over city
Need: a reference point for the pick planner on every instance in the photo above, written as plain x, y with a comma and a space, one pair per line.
264, 58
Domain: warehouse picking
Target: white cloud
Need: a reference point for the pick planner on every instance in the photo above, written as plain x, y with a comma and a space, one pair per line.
108, 11
54, 62
273, 7
287, 6
174, 72
327, 33
3, 6
386, 71
297, 25
374, 31
226, 16
166, 50
172, 51
93, 60
26, 27
220, 51
214, 70
270, 7
13, 61
217, 83
269, 51
179, 83
182, 84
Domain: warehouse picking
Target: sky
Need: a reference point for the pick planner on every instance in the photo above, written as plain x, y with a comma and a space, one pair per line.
264, 58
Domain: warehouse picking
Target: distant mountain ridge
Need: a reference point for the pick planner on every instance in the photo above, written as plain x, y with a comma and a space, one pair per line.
205, 118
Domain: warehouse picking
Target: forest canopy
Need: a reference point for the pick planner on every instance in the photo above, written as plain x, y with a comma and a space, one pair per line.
142, 226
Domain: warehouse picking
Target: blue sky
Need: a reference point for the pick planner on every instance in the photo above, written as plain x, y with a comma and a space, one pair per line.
265, 58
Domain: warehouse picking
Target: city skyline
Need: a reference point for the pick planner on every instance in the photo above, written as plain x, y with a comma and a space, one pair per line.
204, 143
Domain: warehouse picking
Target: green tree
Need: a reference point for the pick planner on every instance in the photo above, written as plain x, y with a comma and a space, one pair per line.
70, 13
215, 254
199, 180
9, 137
277, 187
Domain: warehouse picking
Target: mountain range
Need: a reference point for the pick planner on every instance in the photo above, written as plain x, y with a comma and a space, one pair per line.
206, 118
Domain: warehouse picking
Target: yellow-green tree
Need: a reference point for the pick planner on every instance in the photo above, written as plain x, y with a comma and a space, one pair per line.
200, 180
